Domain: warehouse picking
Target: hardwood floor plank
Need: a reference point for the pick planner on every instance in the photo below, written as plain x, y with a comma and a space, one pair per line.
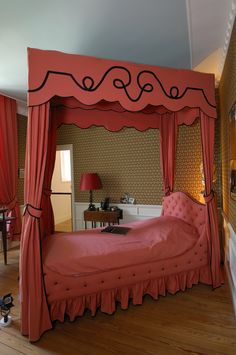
197, 321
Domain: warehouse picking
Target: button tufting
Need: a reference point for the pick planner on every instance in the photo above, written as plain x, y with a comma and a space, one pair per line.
162, 268
200, 259
85, 285
119, 277
176, 265
67, 289
102, 281
200, 245
56, 283
134, 275
149, 271
195, 253
189, 262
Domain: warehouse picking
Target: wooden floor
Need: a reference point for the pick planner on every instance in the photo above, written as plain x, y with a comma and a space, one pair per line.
65, 226
198, 321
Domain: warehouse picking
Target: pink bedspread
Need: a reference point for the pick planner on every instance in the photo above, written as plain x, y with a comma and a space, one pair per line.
90, 251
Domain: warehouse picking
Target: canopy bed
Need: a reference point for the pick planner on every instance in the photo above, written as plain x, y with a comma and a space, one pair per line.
89, 91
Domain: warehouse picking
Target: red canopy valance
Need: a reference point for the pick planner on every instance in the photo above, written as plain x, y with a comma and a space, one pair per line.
134, 86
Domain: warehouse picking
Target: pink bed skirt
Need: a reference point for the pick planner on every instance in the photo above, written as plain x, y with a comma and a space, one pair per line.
106, 299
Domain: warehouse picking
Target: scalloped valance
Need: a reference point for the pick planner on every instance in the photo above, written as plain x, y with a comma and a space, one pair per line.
134, 86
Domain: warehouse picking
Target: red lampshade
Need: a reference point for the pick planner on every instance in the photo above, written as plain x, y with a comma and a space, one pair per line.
90, 181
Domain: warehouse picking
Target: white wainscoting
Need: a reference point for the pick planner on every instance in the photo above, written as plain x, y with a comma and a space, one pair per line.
230, 258
130, 213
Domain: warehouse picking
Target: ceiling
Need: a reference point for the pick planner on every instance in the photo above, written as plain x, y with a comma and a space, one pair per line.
191, 34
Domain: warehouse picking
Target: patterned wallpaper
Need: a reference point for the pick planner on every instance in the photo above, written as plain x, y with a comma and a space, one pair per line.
227, 93
128, 161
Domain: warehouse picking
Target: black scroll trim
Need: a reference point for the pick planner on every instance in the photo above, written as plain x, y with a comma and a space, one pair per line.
88, 84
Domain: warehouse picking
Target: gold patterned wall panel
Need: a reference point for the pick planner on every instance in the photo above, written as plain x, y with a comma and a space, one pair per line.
128, 161
188, 173
227, 94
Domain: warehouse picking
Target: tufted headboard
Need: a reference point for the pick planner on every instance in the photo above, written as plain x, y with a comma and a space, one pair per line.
181, 205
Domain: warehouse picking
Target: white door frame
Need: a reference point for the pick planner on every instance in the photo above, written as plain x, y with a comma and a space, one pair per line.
70, 148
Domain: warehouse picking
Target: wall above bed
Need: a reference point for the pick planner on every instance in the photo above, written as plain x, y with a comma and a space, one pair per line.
131, 161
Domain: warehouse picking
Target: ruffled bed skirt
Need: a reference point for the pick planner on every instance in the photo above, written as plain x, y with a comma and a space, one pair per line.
106, 300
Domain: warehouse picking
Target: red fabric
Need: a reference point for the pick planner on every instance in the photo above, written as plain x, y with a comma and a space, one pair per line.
108, 115
91, 251
134, 86
168, 137
47, 218
35, 318
207, 137
107, 299
126, 87
9, 164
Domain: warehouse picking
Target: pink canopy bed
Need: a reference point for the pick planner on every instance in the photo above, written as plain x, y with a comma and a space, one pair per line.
88, 91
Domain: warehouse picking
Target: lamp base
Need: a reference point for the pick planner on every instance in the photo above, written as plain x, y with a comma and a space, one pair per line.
91, 207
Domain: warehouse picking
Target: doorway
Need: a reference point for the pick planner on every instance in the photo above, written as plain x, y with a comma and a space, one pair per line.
63, 189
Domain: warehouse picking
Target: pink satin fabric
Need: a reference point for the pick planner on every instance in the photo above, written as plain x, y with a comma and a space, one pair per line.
9, 164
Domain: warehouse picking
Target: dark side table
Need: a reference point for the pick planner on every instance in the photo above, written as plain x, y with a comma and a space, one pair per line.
102, 217
3, 228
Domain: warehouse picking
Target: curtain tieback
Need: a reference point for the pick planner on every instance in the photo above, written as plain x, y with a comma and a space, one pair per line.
10, 205
47, 192
209, 197
33, 211
168, 191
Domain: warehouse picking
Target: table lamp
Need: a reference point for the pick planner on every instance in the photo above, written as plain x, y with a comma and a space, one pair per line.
90, 181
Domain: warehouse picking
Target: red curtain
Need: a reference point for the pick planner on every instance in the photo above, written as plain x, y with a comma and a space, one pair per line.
35, 317
207, 137
168, 137
47, 218
9, 163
